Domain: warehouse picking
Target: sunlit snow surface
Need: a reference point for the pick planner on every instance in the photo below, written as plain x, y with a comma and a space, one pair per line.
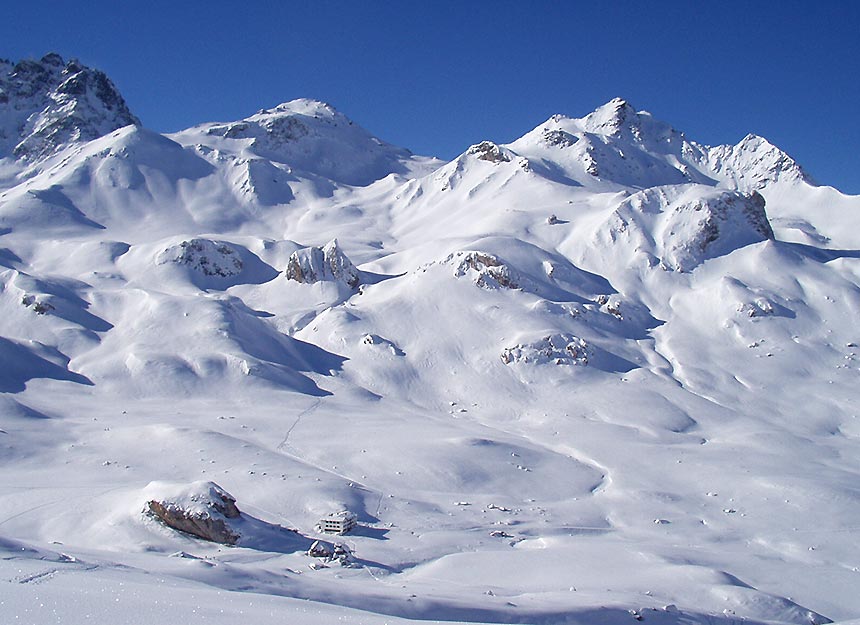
587, 377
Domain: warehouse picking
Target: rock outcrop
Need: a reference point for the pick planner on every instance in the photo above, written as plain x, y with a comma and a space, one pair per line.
326, 264
558, 349
681, 226
211, 258
487, 270
489, 151
202, 509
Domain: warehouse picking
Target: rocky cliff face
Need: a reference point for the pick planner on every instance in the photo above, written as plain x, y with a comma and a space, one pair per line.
50, 103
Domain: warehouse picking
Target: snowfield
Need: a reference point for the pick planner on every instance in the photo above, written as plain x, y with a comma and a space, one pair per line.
599, 375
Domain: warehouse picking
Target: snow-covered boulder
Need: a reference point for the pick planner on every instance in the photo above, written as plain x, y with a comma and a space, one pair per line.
558, 349
210, 258
202, 509
325, 264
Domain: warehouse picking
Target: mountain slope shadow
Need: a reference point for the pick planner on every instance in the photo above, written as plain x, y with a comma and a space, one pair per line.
22, 363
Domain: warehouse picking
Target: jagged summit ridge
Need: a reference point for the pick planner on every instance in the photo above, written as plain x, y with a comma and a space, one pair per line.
754, 163
616, 144
47, 104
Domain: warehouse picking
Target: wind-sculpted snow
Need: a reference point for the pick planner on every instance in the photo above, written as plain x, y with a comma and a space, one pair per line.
600, 374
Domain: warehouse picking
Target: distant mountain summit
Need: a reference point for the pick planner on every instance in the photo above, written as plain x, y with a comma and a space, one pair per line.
50, 103
617, 144
310, 137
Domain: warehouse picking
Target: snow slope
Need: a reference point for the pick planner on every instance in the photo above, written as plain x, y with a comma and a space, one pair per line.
600, 374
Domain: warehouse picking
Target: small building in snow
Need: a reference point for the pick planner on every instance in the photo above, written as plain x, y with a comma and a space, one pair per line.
338, 523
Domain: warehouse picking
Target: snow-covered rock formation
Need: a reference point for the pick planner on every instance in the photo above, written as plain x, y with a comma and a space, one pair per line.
211, 258
322, 264
557, 349
681, 226
202, 509
51, 103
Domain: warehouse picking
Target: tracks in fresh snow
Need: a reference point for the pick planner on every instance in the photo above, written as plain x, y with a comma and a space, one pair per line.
284, 444
303, 413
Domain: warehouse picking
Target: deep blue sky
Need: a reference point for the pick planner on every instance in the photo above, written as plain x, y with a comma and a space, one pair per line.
438, 76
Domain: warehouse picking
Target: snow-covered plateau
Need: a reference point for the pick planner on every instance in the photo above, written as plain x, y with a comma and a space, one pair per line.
598, 375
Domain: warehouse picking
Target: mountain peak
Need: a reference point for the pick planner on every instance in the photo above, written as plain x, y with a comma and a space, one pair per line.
308, 136
47, 104
52, 58
305, 106
611, 117
754, 162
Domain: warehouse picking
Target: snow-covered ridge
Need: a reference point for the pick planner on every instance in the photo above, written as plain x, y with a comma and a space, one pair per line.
311, 137
618, 144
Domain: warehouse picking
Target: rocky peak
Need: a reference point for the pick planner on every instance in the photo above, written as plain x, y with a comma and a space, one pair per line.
612, 118
754, 163
50, 103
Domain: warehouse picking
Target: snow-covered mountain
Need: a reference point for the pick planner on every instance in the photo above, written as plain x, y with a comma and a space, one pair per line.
48, 104
600, 373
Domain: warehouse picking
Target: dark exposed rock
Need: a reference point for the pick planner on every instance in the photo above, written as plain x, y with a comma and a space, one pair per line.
50, 103
489, 151
490, 272
558, 138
